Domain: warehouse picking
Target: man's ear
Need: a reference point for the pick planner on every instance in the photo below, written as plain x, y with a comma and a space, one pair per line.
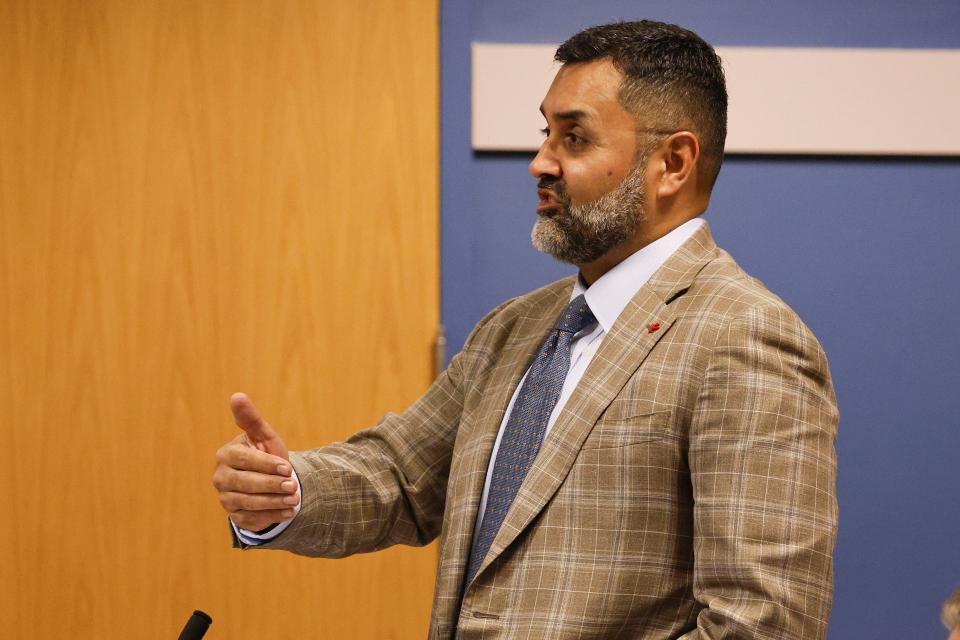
679, 155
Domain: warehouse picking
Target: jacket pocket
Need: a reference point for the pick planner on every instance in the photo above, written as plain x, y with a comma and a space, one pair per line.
626, 424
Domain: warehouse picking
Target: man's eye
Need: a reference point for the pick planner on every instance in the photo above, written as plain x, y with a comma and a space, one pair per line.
574, 140
570, 138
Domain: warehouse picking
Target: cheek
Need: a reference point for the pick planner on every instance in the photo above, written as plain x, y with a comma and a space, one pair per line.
589, 184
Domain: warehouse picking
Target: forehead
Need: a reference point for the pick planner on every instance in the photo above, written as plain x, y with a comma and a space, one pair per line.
589, 90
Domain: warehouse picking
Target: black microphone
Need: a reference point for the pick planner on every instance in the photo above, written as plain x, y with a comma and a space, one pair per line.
196, 626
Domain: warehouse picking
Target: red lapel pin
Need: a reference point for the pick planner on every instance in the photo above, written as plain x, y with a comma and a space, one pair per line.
653, 326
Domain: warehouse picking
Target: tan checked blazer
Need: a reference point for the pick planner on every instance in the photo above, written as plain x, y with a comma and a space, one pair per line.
687, 489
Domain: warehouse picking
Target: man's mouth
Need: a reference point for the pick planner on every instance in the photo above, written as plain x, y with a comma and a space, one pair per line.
549, 202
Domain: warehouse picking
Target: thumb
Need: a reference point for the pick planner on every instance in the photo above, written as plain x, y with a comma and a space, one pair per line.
259, 433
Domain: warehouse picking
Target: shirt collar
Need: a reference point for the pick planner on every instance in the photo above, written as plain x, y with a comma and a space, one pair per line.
609, 295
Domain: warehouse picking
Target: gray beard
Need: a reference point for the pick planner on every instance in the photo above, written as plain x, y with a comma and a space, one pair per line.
579, 234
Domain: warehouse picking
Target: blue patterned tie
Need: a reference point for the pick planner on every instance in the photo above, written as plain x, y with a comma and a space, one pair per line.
523, 434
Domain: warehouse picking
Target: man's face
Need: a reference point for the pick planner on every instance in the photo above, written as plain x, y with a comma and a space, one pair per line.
590, 180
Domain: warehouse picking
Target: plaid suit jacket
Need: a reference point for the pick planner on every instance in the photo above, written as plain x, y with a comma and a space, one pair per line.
687, 490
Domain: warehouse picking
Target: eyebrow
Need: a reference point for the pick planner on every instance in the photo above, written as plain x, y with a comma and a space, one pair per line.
573, 114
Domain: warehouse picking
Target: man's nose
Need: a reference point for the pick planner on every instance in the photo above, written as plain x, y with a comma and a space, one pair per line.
545, 163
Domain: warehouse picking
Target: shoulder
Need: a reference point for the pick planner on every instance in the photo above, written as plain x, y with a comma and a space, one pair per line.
505, 317
512, 319
725, 289
724, 304
723, 292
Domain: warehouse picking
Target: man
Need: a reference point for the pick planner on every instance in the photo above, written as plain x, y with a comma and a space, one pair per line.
644, 451
950, 616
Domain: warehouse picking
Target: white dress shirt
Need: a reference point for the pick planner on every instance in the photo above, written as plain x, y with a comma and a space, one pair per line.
607, 297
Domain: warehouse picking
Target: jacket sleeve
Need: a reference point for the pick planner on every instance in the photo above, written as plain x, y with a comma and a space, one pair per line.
763, 471
387, 484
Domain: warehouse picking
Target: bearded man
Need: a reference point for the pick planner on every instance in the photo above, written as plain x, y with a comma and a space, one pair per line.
644, 450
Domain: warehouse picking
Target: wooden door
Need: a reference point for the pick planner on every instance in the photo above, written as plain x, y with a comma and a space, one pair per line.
198, 198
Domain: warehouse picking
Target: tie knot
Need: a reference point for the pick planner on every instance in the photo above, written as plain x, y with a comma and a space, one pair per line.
576, 316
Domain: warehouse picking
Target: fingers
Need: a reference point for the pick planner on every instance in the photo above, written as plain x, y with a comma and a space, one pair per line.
254, 499
226, 479
234, 502
240, 456
248, 418
257, 520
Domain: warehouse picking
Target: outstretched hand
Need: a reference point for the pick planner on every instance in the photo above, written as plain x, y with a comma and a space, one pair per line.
253, 472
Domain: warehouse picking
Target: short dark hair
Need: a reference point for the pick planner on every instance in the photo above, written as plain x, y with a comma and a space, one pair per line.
668, 71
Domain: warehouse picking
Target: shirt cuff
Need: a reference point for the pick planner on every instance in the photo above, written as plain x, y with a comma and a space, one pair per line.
253, 539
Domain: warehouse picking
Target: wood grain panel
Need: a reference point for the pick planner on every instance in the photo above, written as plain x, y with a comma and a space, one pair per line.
198, 198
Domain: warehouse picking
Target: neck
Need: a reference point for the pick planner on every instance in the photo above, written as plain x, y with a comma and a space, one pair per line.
646, 234
593, 271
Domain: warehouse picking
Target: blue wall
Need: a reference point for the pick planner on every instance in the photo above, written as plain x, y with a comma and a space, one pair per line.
865, 249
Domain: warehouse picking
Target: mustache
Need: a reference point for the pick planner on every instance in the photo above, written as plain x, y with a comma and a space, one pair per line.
552, 183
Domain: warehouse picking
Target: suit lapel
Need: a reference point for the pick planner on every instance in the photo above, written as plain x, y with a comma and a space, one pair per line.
620, 355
